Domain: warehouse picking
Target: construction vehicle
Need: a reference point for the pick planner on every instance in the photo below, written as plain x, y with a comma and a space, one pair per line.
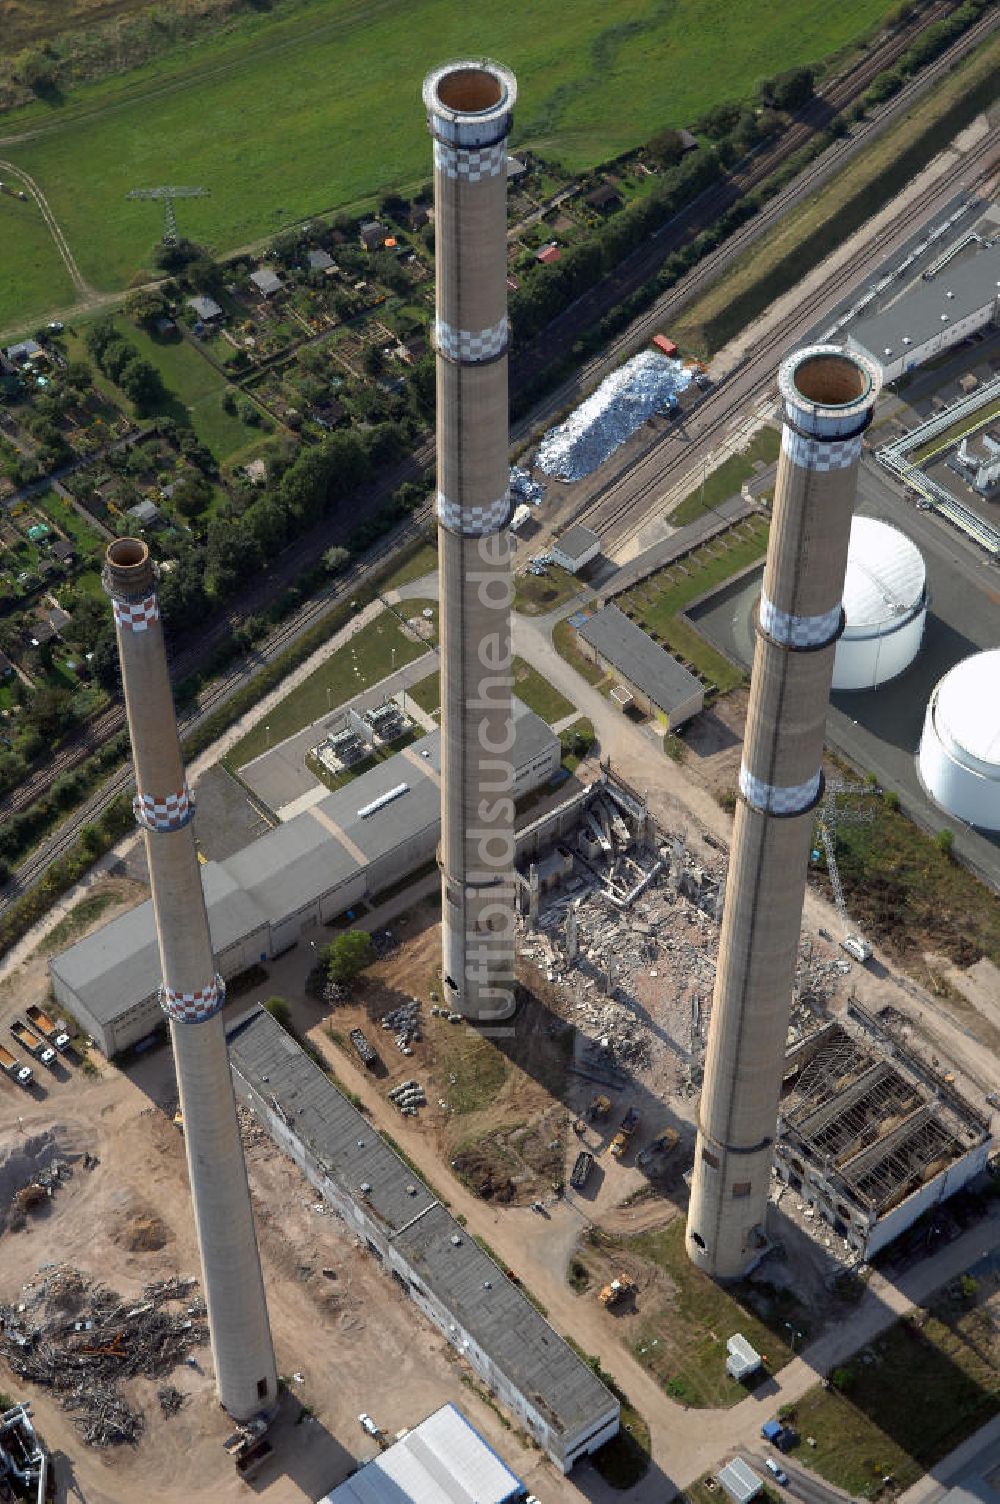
627, 1127
12, 1067
32, 1042
658, 1149
366, 1054
599, 1109
54, 1033
618, 1290
581, 1170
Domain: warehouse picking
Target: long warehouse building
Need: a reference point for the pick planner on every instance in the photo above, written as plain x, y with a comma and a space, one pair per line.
343, 851
490, 1324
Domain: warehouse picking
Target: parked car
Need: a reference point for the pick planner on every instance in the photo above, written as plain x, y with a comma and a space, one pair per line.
776, 1471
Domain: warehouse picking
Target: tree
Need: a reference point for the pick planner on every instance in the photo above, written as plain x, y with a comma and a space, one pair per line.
140, 381
36, 70
205, 274
666, 147
348, 955
372, 361
78, 375
335, 558
192, 493
144, 306
789, 90
49, 710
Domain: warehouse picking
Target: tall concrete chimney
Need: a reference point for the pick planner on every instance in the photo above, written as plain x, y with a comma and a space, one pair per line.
469, 111
192, 995
829, 396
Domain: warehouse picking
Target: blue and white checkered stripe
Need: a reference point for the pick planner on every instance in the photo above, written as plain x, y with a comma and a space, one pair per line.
471, 344
771, 799
798, 631
473, 163
473, 522
814, 454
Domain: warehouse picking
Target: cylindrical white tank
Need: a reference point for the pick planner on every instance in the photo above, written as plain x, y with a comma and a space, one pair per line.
959, 759
885, 603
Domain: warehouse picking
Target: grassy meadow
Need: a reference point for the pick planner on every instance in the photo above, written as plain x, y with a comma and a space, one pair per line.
322, 109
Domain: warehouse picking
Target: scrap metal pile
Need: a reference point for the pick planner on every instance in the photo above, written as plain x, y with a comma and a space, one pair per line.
645, 385
83, 1341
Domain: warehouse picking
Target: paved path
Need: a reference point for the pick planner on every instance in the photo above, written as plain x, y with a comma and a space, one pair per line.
974, 1458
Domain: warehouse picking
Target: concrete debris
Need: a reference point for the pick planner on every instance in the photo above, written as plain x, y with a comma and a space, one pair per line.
84, 1357
170, 1398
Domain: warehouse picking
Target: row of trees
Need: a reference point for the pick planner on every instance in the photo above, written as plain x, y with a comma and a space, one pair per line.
121, 362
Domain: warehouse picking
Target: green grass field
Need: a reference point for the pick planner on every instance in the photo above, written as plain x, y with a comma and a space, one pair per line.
947, 1368
34, 282
194, 392
538, 694
726, 480
322, 110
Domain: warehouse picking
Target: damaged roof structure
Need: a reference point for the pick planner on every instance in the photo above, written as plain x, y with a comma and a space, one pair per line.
869, 1135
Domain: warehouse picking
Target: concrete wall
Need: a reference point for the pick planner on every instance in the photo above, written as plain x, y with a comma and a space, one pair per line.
895, 1222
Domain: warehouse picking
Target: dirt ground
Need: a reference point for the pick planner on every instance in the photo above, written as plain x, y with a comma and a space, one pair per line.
127, 1221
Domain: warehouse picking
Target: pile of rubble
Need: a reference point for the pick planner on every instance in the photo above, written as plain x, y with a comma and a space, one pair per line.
405, 1022
84, 1341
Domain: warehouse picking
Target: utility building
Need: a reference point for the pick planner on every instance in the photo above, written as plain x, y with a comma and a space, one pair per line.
932, 315
344, 850
444, 1460
490, 1325
654, 678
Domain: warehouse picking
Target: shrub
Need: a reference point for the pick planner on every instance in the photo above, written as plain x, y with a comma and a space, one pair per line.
279, 1011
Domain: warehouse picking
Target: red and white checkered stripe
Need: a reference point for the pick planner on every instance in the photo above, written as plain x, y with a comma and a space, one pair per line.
135, 616
193, 1007
169, 813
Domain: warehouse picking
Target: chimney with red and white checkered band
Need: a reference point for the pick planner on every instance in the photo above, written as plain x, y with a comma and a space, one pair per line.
191, 996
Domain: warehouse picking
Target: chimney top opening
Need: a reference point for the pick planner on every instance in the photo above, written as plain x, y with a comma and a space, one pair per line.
127, 553
470, 91
831, 380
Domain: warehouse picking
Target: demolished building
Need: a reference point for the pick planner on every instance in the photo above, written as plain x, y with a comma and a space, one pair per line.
870, 1136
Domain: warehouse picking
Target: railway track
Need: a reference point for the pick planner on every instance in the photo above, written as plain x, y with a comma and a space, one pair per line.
703, 211
610, 509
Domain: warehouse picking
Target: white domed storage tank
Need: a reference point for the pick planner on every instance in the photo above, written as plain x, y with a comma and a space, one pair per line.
885, 603
959, 758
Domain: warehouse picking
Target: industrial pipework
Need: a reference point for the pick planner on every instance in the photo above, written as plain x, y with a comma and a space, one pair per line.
829, 396
191, 996
469, 112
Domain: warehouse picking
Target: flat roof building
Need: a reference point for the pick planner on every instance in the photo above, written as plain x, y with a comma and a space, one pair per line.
932, 315
576, 547
444, 1460
739, 1481
654, 677
490, 1324
302, 873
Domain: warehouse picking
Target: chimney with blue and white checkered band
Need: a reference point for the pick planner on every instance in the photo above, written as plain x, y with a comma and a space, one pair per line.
829, 396
470, 111
192, 995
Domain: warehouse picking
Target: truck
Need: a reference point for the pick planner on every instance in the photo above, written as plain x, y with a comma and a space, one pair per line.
53, 1033
618, 1290
12, 1067
781, 1436
581, 1170
857, 947
626, 1128
32, 1042
366, 1054
657, 1151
